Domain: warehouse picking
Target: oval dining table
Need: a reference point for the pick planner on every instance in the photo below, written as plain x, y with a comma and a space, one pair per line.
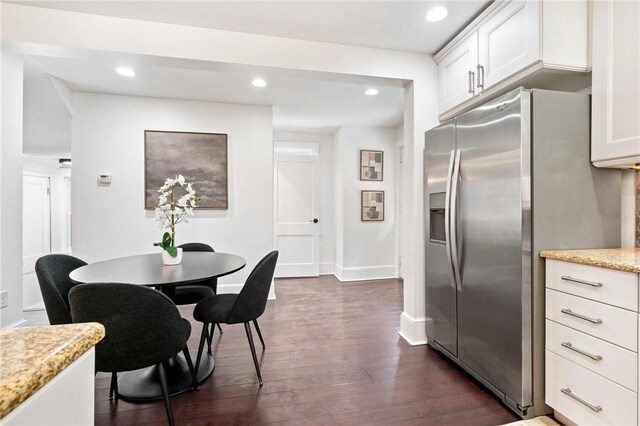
149, 270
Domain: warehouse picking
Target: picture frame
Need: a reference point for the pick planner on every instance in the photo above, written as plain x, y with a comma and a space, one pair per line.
371, 206
371, 165
202, 158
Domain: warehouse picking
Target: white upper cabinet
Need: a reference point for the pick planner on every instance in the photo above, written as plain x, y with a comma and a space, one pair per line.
508, 42
615, 121
456, 73
515, 42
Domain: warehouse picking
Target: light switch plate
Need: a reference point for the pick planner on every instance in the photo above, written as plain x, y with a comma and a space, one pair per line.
104, 180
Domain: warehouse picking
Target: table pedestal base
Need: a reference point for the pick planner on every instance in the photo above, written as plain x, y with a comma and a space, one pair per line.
144, 384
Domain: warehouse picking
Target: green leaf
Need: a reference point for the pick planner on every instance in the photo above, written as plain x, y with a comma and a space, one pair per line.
172, 251
166, 240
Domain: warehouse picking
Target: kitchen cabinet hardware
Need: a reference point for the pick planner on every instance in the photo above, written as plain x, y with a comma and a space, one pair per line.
568, 392
568, 345
583, 317
579, 281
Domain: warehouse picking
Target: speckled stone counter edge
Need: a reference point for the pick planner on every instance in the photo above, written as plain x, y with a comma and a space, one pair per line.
626, 260
14, 390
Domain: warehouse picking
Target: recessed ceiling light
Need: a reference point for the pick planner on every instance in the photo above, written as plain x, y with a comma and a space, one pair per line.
127, 72
436, 14
258, 82
371, 92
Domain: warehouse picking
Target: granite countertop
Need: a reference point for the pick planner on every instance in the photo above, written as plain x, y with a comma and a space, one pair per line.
31, 357
621, 259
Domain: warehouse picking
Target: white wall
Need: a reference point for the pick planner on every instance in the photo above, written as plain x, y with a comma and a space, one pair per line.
11, 187
56, 32
108, 138
327, 216
368, 248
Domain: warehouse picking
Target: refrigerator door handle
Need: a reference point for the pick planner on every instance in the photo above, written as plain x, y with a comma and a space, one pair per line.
455, 176
447, 214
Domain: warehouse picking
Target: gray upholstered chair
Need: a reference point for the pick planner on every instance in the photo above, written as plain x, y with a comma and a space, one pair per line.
193, 293
142, 328
188, 294
53, 272
246, 306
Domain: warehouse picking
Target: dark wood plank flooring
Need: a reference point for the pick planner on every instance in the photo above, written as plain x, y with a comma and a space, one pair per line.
333, 357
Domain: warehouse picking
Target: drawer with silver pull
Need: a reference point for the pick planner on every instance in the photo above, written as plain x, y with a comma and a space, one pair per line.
585, 397
609, 286
615, 325
610, 361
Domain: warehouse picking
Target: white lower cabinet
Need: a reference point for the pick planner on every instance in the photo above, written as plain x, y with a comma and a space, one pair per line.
587, 398
67, 399
591, 342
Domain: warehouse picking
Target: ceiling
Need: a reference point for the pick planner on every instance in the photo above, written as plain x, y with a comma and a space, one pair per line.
301, 101
397, 25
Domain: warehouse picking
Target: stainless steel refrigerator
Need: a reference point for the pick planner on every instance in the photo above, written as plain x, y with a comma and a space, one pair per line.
503, 182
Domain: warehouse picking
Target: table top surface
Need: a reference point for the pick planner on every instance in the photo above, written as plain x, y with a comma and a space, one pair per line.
148, 269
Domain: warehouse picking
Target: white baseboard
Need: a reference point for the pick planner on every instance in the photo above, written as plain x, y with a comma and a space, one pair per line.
327, 268
235, 289
413, 329
16, 324
365, 272
35, 307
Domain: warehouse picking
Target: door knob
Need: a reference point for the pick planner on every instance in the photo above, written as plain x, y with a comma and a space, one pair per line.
314, 221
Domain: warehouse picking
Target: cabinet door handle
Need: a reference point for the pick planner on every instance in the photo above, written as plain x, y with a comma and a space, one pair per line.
480, 77
583, 317
568, 345
592, 407
472, 89
579, 281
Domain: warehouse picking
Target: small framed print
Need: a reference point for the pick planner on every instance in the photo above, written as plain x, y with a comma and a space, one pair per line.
372, 206
371, 165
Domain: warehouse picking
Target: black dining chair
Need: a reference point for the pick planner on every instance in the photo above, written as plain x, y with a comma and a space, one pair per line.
248, 305
193, 293
53, 272
142, 328
189, 294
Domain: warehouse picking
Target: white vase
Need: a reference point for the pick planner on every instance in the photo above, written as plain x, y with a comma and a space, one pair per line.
168, 260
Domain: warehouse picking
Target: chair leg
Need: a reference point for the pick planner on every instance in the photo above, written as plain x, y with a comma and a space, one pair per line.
247, 329
165, 393
255, 324
219, 328
113, 390
194, 375
203, 337
210, 338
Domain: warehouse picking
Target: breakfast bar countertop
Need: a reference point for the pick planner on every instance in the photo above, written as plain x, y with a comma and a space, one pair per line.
31, 357
621, 259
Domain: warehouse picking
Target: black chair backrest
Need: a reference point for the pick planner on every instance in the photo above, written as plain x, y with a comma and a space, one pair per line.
53, 272
213, 282
252, 299
196, 247
142, 326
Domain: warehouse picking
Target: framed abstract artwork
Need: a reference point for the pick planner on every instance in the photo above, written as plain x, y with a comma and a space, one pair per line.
372, 206
200, 157
371, 165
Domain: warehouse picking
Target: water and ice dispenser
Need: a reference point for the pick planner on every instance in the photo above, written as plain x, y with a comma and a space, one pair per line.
436, 217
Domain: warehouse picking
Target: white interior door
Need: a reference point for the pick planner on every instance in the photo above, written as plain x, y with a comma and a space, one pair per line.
297, 228
36, 235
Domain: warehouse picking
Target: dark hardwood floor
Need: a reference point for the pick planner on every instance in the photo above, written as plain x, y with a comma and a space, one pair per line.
333, 357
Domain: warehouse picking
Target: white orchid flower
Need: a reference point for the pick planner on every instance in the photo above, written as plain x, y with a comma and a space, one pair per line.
180, 180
